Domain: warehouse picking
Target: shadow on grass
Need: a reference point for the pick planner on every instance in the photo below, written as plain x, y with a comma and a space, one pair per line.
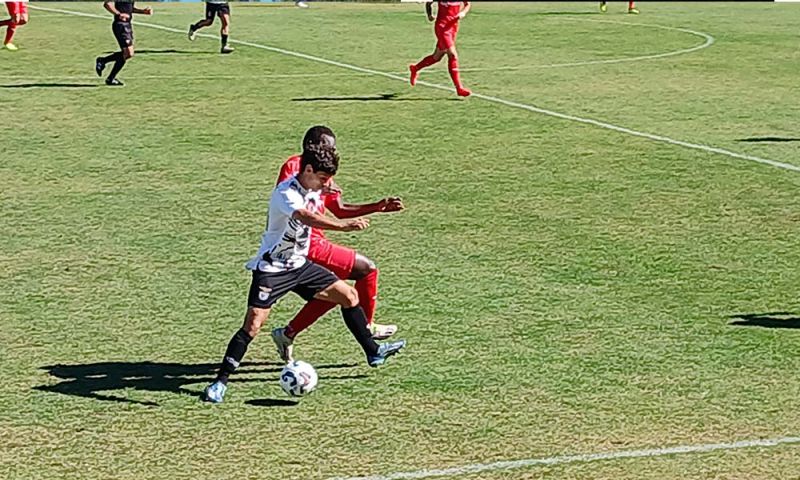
51, 85
766, 320
171, 51
91, 380
769, 139
381, 97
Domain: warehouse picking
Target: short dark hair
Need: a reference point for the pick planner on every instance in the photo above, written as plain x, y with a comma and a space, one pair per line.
314, 135
322, 158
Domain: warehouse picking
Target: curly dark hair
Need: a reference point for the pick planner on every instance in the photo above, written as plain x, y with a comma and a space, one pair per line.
322, 158
316, 134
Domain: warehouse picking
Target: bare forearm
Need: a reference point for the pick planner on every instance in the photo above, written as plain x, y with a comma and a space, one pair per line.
315, 220
110, 7
349, 210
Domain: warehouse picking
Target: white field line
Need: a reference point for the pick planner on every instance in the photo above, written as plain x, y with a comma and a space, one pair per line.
509, 103
709, 40
188, 77
589, 457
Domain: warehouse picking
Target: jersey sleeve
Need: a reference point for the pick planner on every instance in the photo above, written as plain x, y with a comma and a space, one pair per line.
287, 200
285, 173
331, 201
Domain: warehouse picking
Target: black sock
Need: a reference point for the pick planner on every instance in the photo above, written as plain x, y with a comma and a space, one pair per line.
233, 355
117, 67
356, 322
112, 58
224, 40
197, 26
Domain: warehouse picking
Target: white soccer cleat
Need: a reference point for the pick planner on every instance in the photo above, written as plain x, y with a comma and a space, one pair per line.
301, 4
283, 344
382, 332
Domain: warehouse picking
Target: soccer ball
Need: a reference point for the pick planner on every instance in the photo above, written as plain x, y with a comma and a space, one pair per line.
298, 378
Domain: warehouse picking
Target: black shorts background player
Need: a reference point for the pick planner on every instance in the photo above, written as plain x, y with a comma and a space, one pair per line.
215, 8
123, 31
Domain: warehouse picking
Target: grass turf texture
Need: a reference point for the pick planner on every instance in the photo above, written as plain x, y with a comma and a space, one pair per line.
564, 289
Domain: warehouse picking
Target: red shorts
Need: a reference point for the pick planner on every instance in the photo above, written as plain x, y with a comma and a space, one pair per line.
336, 258
17, 8
445, 35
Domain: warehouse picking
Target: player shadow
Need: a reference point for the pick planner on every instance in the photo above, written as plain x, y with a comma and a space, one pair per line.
92, 380
381, 97
768, 139
567, 13
51, 85
766, 320
272, 402
172, 51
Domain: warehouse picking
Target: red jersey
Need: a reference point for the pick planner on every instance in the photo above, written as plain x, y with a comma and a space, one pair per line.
447, 12
291, 168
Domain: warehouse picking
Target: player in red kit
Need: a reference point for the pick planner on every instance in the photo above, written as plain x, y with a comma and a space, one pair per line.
345, 263
19, 16
631, 7
448, 14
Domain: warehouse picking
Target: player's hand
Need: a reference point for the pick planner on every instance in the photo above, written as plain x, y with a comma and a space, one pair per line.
391, 204
147, 11
430, 18
355, 224
124, 17
461, 15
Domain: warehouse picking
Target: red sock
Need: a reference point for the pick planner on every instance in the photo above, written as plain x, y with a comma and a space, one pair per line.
367, 289
10, 33
425, 62
307, 315
630, 5
452, 67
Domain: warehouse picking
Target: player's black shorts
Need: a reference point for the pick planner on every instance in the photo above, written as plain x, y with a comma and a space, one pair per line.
123, 32
306, 281
214, 9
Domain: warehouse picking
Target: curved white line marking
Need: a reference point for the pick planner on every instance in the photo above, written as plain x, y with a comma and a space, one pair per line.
591, 457
709, 40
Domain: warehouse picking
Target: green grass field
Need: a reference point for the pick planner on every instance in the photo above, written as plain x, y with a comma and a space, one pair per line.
565, 289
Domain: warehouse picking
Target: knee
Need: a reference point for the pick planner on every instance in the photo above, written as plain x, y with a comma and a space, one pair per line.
362, 267
350, 298
253, 322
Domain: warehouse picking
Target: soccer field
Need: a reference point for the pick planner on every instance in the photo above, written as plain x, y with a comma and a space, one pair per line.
597, 270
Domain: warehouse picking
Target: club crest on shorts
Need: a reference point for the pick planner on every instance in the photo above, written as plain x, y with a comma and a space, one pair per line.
263, 295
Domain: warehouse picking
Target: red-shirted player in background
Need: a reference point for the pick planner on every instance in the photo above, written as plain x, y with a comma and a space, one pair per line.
19, 16
448, 15
346, 263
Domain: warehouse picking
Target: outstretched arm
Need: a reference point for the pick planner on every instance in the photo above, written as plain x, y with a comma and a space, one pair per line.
315, 220
429, 10
143, 11
352, 210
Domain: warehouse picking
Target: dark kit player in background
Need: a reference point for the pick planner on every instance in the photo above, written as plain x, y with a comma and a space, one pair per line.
215, 8
123, 31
